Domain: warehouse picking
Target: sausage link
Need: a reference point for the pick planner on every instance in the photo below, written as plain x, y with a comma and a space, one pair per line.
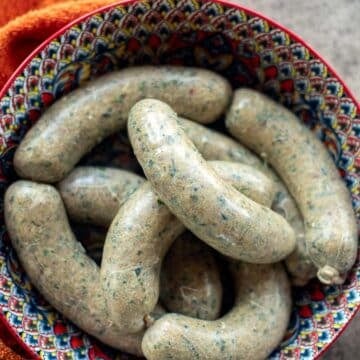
251, 330
190, 279
137, 240
80, 120
212, 209
58, 266
215, 146
310, 175
247, 180
139, 237
94, 194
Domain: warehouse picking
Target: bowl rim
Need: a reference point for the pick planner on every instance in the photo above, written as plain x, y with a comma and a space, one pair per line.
227, 3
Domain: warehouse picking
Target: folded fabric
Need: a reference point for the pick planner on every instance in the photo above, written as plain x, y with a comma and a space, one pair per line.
29, 28
9, 348
7, 354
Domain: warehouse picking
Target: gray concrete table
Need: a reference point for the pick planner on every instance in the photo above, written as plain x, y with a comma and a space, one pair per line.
332, 28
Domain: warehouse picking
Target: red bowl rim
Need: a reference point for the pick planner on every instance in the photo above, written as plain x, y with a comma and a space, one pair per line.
228, 3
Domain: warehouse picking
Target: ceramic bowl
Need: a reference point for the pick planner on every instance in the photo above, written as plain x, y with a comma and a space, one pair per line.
242, 45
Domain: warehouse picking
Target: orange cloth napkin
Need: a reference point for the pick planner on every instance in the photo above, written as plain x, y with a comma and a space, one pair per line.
7, 354
9, 348
25, 24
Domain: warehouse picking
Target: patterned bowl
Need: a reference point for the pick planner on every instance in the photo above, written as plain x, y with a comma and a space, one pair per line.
245, 47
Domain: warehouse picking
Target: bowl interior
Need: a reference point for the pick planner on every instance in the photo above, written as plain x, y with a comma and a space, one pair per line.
241, 45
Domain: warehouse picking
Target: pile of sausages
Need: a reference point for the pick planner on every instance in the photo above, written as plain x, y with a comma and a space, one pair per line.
272, 195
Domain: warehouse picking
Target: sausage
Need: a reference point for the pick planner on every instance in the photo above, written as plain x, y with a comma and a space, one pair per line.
310, 175
138, 239
131, 343
193, 289
249, 181
94, 194
213, 210
58, 266
299, 265
250, 330
215, 146
80, 120
190, 279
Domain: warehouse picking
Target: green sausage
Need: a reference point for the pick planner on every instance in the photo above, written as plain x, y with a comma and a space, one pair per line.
250, 330
212, 209
272, 131
138, 239
72, 126
215, 146
190, 279
94, 194
58, 266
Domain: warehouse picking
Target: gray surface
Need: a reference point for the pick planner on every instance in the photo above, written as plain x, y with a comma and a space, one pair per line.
332, 28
